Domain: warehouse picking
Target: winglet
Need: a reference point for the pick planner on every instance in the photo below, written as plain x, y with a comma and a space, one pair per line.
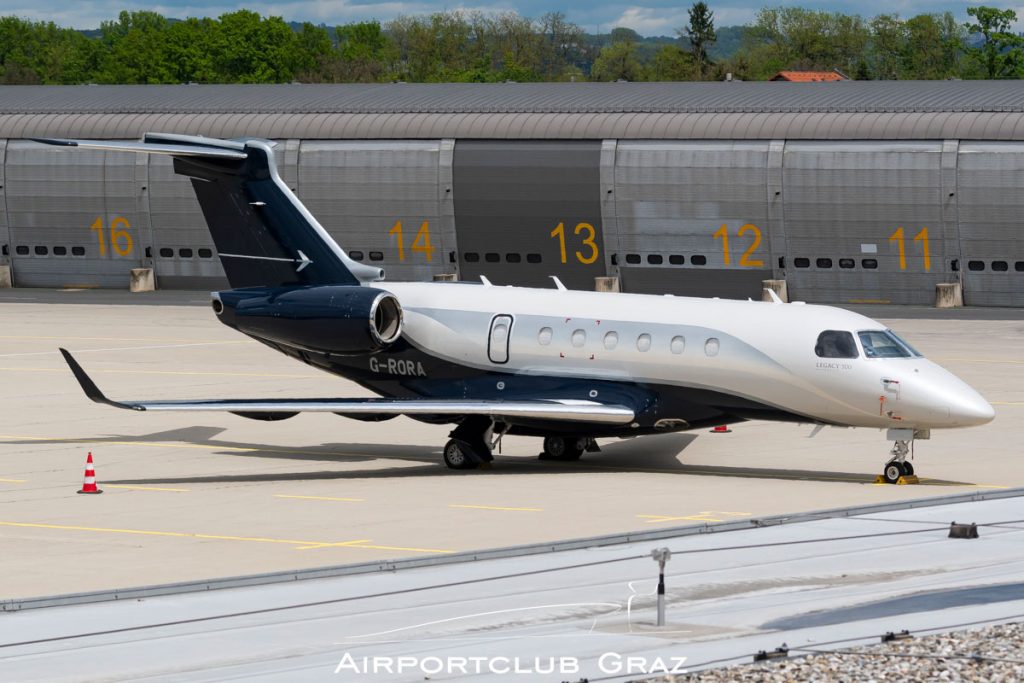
89, 387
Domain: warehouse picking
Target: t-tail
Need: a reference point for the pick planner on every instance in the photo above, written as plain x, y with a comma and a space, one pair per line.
264, 235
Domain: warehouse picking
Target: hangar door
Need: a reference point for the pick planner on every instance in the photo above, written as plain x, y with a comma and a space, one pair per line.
388, 203
73, 215
691, 217
990, 177
526, 210
867, 222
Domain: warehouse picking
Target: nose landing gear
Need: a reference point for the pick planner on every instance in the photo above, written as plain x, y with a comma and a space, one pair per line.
899, 470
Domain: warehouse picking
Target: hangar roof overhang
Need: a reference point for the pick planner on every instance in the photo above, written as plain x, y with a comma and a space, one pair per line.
851, 110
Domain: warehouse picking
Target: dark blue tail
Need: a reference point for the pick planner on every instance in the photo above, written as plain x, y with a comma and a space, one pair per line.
265, 237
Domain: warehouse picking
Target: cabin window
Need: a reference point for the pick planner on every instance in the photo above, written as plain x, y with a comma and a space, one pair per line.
533, 258
676, 259
42, 251
847, 263
78, 251
185, 252
975, 265
611, 340
655, 259
869, 263
677, 345
513, 258
824, 263
711, 347
1019, 266
205, 253
632, 258
835, 344
1000, 266
885, 344
376, 256
802, 262
21, 250
60, 251
356, 255
166, 252
544, 336
643, 343
698, 260
492, 257
579, 338
471, 257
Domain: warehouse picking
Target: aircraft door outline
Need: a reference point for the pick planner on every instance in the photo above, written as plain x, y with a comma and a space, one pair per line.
498, 338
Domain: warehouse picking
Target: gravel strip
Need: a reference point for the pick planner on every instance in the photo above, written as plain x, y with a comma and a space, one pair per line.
994, 654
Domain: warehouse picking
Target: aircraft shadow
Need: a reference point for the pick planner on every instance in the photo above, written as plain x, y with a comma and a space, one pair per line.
658, 454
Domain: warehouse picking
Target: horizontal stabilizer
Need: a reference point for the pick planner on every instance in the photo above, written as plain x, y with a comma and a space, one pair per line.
211, 151
592, 412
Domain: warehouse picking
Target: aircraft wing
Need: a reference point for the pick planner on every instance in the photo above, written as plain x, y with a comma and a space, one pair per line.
592, 412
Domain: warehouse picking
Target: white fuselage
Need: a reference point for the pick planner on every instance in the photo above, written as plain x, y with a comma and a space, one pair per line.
764, 352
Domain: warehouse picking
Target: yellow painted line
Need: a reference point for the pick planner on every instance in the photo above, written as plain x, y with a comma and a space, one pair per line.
492, 507
347, 500
703, 516
360, 543
142, 488
14, 481
166, 372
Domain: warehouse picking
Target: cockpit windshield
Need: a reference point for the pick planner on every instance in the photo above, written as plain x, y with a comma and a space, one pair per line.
835, 344
885, 344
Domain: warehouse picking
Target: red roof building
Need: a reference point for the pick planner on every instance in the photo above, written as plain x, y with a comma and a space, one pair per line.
808, 76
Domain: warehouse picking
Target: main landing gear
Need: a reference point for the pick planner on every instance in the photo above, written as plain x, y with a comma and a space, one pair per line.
898, 465
567, 447
472, 442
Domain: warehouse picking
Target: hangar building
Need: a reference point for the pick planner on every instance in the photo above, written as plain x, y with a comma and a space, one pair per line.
851, 191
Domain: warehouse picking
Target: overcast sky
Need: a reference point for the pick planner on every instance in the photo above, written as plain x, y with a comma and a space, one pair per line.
649, 17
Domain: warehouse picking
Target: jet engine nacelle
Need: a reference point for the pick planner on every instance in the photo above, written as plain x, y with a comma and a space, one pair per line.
343, 319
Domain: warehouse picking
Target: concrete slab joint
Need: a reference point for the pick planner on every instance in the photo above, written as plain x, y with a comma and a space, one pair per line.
777, 286
5, 277
142, 280
949, 295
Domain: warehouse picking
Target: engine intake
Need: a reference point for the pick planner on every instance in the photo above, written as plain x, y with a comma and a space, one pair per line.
344, 320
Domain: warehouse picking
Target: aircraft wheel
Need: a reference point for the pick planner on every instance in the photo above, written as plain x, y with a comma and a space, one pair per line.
563, 448
892, 472
459, 456
908, 469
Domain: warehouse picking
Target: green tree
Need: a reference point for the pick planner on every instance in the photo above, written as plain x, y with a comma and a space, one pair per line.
1002, 52
797, 38
190, 48
618, 61
134, 49
672, 63
314, 53
364, 52
934, 46
701, 35
251, 49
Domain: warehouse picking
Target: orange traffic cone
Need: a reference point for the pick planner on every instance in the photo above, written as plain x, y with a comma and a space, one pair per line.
89, 486
722, 429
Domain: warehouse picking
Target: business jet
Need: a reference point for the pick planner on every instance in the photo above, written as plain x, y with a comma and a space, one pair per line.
567, 366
